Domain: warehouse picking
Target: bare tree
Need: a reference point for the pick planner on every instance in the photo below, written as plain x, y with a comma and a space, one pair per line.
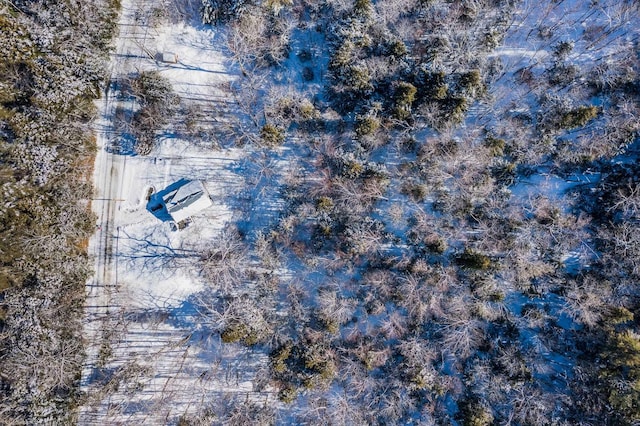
224, 263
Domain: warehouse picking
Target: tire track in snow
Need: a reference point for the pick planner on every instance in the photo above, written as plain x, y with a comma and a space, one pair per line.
108, 175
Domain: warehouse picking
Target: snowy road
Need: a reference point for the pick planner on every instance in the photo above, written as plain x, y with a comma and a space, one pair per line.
108, 175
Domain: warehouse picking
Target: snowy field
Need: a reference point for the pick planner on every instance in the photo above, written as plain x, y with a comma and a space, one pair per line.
150, 361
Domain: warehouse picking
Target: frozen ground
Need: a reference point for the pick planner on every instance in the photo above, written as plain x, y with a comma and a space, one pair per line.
148, 359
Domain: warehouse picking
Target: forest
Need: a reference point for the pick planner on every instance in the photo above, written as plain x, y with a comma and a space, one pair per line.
53, 66
454, 235
463, 229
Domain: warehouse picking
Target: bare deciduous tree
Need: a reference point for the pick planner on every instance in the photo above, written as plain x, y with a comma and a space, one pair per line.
224, 263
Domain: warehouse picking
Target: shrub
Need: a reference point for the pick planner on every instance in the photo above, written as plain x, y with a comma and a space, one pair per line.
431, 85
276, 5
625, 399
322, 377
578, 117
5, 283
366, 125
472, 259
492, 38
358, 79
308, 364
618, 315
219, 11
279, 358
331, 325
234, 333
504, 172
405, 95
473, 413
471, 82
324, 203
455, 108
247, 325
240, 332
144, 144
272, 135
470, 79
563, 74
417, 192
342, 57
397, 49
156, 98
288, 394
495, 146
307, 111
350, 166
362, 8
151, 88
436, 244
562, 49
622, 355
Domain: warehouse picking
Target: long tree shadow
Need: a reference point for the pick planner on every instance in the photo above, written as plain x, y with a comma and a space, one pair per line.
153, 255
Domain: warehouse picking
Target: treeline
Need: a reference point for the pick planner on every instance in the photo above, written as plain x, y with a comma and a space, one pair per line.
52, 69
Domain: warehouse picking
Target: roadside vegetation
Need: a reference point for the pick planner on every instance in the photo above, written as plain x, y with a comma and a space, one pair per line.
53, 67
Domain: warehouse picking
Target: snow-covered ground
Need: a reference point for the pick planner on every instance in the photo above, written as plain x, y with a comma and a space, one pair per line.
149, 359
146, 360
